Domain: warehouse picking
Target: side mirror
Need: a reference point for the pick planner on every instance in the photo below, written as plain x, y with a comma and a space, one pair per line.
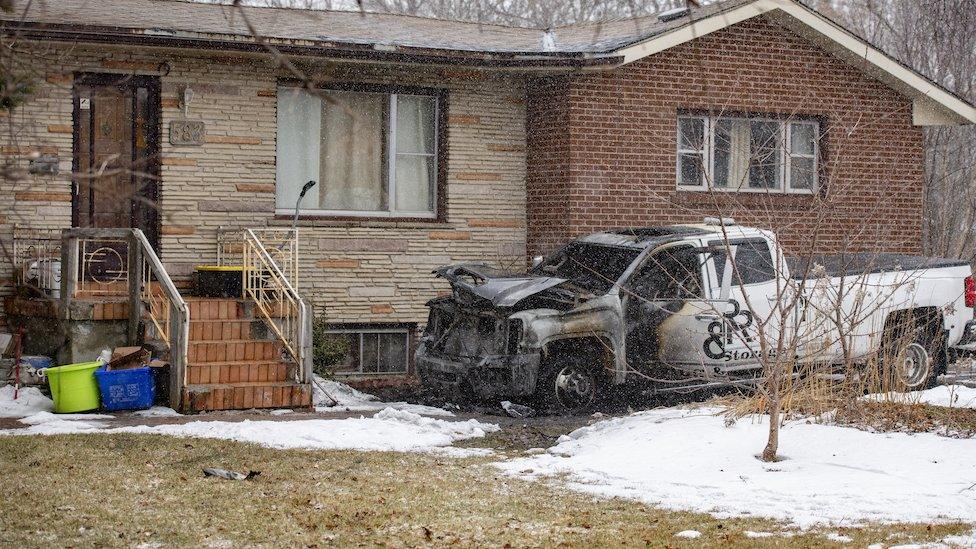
536, 261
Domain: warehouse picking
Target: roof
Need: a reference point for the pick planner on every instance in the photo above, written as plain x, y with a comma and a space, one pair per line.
403, 38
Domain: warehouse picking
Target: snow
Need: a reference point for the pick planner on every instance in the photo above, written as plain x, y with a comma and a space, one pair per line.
839, 538
157, 411
41, 423
352, 400
689, 534
29, 401
388, 430
689, 460
955, 396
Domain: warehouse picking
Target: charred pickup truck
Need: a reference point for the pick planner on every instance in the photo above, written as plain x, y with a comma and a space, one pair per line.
660, 307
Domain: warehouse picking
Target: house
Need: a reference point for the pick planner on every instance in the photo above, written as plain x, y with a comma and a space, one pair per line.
439, 141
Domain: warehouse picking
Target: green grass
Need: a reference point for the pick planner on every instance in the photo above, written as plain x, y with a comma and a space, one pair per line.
126, 490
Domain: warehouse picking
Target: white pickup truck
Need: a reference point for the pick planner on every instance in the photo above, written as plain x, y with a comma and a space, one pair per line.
678, 308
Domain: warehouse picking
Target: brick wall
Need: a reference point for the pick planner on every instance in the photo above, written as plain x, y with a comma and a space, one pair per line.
605, 157
352, 271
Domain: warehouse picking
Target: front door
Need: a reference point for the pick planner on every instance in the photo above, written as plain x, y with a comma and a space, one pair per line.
116, 153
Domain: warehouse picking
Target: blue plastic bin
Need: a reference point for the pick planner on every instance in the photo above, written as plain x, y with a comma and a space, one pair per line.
131, 389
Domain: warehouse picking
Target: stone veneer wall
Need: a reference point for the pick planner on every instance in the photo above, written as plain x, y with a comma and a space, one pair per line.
353, 271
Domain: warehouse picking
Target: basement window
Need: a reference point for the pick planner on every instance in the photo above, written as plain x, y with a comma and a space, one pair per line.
371, 351
747, 154
373, 151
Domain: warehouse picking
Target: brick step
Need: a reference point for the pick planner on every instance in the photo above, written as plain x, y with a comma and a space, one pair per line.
243, 396
233, 351
222, 330
236, 372
206, 308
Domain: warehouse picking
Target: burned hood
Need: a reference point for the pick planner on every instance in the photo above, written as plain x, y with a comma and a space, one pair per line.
501, 288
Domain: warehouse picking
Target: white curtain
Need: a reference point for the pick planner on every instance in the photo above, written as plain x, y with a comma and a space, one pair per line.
352, 152
415, 153
298, 146
732, 153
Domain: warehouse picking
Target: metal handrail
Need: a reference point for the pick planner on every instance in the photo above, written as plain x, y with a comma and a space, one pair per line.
142, 275
269, 288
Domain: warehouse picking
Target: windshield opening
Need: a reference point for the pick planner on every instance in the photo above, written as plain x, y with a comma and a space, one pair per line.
593, 267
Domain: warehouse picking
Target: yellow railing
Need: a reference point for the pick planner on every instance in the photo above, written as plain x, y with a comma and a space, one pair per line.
277, 301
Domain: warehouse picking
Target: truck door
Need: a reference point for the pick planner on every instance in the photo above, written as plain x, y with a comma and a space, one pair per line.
661, 300
743, 290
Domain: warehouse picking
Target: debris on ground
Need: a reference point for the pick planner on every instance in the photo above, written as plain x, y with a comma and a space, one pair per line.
229, 475
517, 410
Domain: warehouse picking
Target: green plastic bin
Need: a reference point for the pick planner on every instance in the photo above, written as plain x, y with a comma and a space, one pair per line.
73, 387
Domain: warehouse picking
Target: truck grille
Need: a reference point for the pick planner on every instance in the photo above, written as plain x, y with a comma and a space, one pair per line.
462, 334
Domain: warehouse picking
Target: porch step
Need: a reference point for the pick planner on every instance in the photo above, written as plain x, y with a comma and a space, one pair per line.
222, 330
236, 372
208, 308
245, 395
233, 351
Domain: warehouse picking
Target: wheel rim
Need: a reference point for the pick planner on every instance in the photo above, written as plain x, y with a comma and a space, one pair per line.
915, 366
575, 388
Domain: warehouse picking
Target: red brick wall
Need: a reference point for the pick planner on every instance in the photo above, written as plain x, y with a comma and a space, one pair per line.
603, 156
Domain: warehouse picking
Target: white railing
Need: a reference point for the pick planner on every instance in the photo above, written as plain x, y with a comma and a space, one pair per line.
278, 302
98, 262
37, 259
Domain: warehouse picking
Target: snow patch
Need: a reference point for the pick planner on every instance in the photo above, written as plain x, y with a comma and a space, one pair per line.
387, 430
689, 534
348, 399
157, 411
689, 460
954, 396
29, 401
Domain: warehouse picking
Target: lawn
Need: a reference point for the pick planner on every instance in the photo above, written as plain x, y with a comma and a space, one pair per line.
131, 490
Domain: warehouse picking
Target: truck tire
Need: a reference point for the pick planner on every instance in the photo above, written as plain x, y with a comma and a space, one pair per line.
917, 365
570, 385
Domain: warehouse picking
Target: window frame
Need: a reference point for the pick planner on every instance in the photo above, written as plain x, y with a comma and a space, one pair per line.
439, 183
360, 332
785, 129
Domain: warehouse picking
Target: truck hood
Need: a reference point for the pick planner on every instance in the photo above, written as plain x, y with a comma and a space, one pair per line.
501, 288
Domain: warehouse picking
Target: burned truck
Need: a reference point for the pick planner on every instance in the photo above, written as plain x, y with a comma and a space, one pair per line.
675, 308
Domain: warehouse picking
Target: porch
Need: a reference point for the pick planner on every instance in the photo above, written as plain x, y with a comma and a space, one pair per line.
83, 290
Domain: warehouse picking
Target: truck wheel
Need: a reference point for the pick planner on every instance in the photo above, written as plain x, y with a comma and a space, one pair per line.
916, 369
570, 385
918, 365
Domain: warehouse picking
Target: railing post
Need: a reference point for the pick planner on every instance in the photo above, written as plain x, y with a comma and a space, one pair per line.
307, 343
69, 271
135, 287
177, 365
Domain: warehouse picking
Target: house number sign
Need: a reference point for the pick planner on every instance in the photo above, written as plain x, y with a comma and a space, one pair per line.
187, 132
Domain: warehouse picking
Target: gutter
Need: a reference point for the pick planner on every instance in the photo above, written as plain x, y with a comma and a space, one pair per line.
377, 53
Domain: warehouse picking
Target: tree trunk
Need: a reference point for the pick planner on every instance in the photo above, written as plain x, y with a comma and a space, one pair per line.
775, 403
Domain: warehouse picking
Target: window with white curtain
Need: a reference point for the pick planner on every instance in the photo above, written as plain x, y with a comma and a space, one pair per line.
372, 153
747, 154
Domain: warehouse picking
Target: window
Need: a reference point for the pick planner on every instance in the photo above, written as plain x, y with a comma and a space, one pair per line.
377, 351
372, 153
747, 154
670, 274
753, 261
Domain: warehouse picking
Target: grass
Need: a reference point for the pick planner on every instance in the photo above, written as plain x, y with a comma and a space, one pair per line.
131, 490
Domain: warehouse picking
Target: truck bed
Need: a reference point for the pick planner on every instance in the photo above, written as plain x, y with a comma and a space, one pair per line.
867, 262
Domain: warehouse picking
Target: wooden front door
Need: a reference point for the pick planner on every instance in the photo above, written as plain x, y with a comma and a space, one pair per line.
116, 153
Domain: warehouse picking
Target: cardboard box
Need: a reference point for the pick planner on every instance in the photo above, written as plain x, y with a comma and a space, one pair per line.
124, 358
